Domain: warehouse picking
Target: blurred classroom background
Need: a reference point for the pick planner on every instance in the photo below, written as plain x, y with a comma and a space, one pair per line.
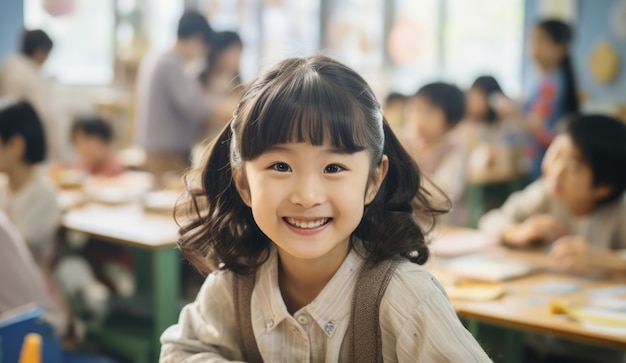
114, 266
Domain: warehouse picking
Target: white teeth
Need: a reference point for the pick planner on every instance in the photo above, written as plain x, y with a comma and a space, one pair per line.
306, 224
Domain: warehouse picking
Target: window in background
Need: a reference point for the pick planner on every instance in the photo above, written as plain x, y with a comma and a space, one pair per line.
413, 44
289, 28
455, 41
270, 30
83, 32
489, 41
354, 33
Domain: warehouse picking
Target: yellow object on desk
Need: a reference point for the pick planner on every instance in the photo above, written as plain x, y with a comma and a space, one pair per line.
590, 314
475, 291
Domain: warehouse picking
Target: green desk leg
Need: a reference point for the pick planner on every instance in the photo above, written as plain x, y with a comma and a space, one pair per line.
166, 291
475, 203
514, 344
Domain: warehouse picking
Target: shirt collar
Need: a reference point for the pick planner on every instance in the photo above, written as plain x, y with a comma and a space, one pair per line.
332, 304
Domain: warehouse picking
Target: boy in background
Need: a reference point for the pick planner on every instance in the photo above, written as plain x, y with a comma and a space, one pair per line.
93, 141
578, 205
31, 201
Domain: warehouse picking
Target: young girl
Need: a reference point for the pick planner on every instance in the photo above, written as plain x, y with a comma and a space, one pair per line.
494, 142
432, 115
554, 95
305, 186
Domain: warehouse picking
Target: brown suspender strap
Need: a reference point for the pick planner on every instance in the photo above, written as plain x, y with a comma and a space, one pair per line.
364, 330
244, 284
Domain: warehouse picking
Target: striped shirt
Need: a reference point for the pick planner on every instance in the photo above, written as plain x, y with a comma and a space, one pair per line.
417, 321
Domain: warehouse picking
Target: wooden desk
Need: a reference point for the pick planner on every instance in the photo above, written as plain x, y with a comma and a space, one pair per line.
129, 225
523, 309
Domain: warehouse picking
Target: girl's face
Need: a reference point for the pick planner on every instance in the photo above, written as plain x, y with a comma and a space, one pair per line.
428, 120
228, 61
569, 177
90, 149
309, 199
546, 53
477, 104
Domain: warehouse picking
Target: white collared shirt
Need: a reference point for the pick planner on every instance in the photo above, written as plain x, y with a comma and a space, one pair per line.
417, 321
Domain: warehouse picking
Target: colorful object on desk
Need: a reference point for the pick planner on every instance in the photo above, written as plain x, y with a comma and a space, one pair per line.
612, 291
460, 242
557, 288
475, 291
592, 315
31, 349
488, 268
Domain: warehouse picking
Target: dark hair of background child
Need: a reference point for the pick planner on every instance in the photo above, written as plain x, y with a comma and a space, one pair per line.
219, 43
562, 34
93, 126
33, 40
602, 143
489, 86
20, 119
314, 100
394, 97
192, 23
446, 96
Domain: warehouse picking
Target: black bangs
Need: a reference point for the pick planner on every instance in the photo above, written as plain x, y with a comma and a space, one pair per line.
306, 107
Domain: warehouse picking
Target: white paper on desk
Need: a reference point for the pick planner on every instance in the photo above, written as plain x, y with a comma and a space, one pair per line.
461, 242
488, 268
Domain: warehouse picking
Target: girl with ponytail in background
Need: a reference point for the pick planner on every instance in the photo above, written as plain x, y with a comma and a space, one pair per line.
553, 96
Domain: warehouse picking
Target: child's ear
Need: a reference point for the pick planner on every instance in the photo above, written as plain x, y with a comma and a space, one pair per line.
17, 146
241, 183
602, 191
376, 179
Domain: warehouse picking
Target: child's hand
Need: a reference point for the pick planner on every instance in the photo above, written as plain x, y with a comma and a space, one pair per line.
541, 227
573, 254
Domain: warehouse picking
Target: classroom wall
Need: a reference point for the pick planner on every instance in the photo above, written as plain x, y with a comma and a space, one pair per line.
11, 20
592, 24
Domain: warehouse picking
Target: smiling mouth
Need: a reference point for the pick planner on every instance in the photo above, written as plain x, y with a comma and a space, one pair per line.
307, 224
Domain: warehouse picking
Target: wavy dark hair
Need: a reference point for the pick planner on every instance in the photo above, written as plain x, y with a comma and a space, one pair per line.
313, 100
561, 33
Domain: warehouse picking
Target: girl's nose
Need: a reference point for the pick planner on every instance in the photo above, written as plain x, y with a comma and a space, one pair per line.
308, 191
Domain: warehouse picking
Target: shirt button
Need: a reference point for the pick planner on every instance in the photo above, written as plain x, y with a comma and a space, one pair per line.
303, 320
269, 323
329, 327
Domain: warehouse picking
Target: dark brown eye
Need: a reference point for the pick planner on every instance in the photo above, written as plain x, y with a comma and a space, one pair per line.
281, 167
333, 168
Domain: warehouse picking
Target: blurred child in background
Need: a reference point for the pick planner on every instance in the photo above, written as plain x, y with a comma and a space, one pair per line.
21, 280
431, 115
22, 77
222, 72
494, 143
579, 206
31, 199
553, 95
394, 110
93, 141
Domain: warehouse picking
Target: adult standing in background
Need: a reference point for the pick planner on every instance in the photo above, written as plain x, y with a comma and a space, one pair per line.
21, 77
172, 108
